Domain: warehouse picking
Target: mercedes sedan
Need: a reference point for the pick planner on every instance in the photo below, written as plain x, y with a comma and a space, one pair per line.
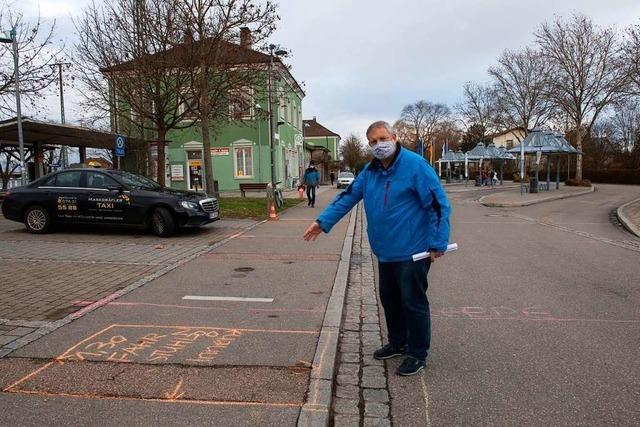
106, 197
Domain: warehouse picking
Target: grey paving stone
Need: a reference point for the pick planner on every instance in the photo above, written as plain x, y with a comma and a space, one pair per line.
350, 357
21, 331
347, 379
375, 381
349, 391
377, 422
349, 348
351, 326
368, 360
6, 339
346, 406
371, 327
375, 395
376, 409
346, 421
373, 371
349, 369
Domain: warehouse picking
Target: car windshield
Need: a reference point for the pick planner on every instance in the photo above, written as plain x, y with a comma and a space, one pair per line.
346, 175
136, 181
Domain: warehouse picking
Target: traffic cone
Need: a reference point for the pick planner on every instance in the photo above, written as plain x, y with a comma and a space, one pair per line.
273, 216
301, 192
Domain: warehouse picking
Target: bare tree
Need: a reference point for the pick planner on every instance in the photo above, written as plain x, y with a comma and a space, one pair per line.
406, 134
631, 56
128, 68
479, 107
521, 79
35, 53
353, 152
423, 118
224, 77
587, 74
626, 123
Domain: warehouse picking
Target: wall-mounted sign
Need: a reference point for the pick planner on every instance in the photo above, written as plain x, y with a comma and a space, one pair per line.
177, 173
220, 151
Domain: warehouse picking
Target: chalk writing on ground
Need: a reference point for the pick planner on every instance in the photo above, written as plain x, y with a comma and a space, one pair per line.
153, 344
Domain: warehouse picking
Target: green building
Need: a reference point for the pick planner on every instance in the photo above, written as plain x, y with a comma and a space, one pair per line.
322, 145
240, 149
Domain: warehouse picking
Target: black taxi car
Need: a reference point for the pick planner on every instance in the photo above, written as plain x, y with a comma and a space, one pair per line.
112, 197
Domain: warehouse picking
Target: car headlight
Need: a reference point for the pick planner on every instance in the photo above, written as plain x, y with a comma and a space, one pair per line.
189, 205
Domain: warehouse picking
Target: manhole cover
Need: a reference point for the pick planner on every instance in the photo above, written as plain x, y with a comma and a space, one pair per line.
243, 269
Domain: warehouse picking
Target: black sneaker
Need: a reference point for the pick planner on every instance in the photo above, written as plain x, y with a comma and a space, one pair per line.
410, 366
388, 351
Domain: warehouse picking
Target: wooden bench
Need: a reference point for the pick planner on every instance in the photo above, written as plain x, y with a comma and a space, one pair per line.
252, 186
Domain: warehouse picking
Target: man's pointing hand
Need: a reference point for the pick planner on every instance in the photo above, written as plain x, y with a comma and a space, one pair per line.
312, 232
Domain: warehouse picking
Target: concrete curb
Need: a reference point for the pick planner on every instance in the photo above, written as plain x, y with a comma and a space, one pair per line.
52, 326
316, 409
626, 222
533, 202
498, 187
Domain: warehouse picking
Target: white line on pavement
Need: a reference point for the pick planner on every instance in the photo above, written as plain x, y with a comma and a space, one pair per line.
209, 298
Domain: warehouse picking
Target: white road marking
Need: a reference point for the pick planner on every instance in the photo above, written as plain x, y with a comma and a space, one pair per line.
241, 299
426, 401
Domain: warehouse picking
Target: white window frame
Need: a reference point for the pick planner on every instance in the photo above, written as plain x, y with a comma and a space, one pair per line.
236, 148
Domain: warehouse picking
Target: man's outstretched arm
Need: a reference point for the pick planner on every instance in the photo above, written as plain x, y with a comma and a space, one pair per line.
333, 213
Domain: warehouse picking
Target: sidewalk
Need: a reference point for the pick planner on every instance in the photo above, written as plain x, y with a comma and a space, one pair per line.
629, 216
231, 335
513, 198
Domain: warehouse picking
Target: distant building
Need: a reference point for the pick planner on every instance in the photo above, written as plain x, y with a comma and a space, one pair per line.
99, 162
508, 138
322, 145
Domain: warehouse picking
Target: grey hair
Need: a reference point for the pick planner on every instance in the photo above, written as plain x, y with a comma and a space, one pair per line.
380, 124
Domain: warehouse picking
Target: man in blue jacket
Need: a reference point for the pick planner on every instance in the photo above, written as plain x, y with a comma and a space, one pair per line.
408, 213
311, 179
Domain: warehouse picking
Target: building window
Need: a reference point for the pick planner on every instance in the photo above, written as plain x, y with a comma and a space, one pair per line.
188, 105
282, 108
241, 104
509, 144
243, 162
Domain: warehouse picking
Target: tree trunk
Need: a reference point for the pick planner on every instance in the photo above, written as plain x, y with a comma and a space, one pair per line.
579, 148
206, 148
162, 134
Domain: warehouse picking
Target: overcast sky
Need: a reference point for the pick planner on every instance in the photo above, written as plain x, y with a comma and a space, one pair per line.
363, 60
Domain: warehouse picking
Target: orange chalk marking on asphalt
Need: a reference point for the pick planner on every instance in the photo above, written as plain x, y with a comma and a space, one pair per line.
175, 394
37, 371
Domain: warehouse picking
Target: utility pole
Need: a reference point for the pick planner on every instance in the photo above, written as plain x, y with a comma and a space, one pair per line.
271, 149
64, 155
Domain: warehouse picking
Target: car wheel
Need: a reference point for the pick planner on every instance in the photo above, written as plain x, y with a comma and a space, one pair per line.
37, 220
162, 222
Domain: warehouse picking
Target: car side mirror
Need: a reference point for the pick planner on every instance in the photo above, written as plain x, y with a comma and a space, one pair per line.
116, 188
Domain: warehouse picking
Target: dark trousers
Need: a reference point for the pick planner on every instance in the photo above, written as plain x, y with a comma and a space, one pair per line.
311, 194
403, 292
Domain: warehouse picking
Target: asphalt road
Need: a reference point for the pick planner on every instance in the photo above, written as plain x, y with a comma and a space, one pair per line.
165, 355
536, 320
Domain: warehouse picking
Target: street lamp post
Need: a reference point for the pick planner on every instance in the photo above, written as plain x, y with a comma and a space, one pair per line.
63, 154
14, 41
273, 49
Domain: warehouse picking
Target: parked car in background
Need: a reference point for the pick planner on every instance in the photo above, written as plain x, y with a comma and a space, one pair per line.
106, 197
345, 179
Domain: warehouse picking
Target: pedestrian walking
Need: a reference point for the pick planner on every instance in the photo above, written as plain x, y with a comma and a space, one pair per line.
407, 212
332, 176
311, 180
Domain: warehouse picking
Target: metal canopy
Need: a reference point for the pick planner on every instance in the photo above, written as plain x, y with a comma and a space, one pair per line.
478, 152
56, 134
544, 142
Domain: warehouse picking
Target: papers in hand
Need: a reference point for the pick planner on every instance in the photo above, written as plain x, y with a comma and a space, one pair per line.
422, 255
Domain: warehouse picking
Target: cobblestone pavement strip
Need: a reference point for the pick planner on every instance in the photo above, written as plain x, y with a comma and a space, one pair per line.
55, 275
361, 394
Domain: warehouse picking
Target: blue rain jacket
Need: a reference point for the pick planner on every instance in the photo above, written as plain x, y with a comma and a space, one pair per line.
407, 208
311, 177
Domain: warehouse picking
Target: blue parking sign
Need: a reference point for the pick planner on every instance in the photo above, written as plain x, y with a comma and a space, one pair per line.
119, 145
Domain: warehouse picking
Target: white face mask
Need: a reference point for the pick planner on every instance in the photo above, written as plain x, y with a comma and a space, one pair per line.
383, 149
